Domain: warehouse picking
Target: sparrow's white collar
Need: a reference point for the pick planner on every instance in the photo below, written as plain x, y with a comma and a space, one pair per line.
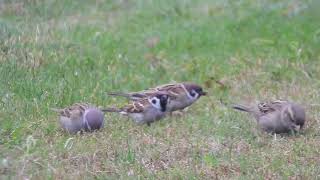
186, 91
155, 104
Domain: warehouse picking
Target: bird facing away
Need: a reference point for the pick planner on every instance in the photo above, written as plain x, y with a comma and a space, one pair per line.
277, 116
181, 95
80, 116
145, 110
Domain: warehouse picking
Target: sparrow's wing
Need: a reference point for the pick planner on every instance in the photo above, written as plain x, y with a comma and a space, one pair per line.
173, 90
137, 106
267, 107
164, 87
278, 104
66, 112
82, 106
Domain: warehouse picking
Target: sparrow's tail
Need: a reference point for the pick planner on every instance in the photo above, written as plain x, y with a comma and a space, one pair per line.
127, 95
56, 110
241, 107
131, 96
112, 109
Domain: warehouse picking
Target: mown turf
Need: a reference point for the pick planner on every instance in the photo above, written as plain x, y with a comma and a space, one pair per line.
57, 52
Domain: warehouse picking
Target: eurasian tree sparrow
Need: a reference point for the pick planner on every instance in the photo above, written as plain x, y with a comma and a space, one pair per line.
145, 110
80, 116
277, 116
181, 95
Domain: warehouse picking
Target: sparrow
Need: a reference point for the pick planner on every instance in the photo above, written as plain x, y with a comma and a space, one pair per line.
80, 116
277, 116
181, 95
145, 110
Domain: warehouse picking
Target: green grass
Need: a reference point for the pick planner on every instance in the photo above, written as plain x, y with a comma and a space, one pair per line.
54, 53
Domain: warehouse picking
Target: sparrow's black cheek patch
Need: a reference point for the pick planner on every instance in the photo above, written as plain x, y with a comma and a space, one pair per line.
163, 104
201, 92
154, 101
164, 98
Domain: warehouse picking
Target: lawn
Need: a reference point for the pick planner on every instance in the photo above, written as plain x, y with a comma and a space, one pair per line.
54, 53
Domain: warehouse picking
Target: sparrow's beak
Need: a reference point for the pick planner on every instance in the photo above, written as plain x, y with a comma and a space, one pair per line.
203, 93
297, 127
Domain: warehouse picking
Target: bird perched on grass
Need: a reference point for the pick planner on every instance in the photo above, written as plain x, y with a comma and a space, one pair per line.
277, 116
181, 95
145, 110
80, 116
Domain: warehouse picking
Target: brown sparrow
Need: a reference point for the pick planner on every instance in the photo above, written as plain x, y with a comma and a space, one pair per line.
145, 110
80, 116
181, 95
277, 116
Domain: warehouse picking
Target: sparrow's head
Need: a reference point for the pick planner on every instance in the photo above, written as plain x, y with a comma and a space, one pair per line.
160, 100
296, 114
93, 119
194, 90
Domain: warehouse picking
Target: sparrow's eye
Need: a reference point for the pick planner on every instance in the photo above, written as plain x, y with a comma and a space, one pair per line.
154, 101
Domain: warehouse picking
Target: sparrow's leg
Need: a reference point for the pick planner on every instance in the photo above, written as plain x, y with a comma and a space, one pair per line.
177, 113
181, 112
296, 128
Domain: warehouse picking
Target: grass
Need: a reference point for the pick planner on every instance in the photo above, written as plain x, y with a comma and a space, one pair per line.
54, 53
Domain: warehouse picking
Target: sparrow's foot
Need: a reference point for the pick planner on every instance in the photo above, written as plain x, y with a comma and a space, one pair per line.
177, 113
